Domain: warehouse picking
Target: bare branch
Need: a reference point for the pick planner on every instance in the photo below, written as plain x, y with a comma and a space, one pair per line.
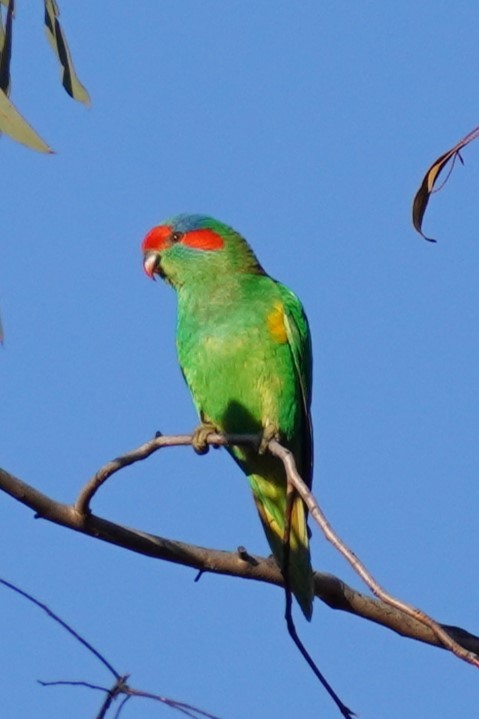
331, 590
122, 704
293, 476
288, 610
82, 504
72, 683
120, 687
145, 450
187, 709
62, 623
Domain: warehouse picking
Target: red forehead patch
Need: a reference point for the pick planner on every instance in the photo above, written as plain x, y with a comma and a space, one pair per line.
156, 238
203, 240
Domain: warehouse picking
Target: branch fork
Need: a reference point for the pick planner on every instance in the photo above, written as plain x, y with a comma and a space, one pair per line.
387, 610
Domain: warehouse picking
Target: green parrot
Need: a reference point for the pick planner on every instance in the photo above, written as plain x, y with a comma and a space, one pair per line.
244, 348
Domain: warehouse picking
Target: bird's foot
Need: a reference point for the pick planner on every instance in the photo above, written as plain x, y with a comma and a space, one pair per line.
269, 432
200, 436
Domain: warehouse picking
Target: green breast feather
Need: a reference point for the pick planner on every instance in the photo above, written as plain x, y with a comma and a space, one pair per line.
245, 351
247, 362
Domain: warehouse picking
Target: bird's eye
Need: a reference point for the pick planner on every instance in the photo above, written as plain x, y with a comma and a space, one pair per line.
176, 236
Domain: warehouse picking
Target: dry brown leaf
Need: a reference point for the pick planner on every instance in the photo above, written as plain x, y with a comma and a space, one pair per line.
421, 197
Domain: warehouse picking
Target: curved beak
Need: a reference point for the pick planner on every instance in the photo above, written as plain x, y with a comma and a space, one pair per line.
151, 263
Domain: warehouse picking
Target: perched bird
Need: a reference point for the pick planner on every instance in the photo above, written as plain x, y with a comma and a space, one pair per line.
244, 348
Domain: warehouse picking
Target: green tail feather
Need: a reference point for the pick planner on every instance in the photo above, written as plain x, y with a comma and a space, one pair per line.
268, 482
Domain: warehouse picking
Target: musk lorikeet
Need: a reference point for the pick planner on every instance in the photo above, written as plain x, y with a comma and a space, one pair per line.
244, 348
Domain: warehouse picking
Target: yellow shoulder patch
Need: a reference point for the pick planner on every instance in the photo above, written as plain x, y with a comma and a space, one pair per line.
276, 323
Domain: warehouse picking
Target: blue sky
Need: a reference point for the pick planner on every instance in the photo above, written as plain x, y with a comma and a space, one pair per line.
307, 126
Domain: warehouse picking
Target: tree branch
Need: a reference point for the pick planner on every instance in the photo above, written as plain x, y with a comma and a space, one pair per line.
330, 589
318, 515
120, 687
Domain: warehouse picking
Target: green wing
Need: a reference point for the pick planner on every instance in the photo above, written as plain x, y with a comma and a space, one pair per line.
299, 340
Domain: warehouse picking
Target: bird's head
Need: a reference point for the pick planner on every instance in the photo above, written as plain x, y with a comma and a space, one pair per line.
187, 247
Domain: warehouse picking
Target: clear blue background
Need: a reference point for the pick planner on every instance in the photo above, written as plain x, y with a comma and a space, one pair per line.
307, 126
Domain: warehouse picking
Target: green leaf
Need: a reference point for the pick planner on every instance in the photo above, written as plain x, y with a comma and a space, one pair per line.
57, 40
14, 125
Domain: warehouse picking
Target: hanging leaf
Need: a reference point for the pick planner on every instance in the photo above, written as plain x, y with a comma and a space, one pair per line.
6, 47
2, 32
14, 125
11, 122
57, 40
428, 184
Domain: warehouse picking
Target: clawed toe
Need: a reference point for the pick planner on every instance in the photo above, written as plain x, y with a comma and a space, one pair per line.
270, 432
199, 440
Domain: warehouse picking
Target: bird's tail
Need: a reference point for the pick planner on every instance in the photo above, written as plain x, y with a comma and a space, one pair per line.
269, 489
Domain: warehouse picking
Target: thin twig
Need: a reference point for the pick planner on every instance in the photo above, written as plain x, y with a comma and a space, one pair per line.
288, 460
65, 626
72, 683
120, 686
276, 449
345, 711
288, 611
122, 704
330, 589
82, 504
187, 709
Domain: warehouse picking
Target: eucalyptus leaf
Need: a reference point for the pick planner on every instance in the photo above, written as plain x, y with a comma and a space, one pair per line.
428, 184
2, 34
57, 40
14, 125
6, 48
